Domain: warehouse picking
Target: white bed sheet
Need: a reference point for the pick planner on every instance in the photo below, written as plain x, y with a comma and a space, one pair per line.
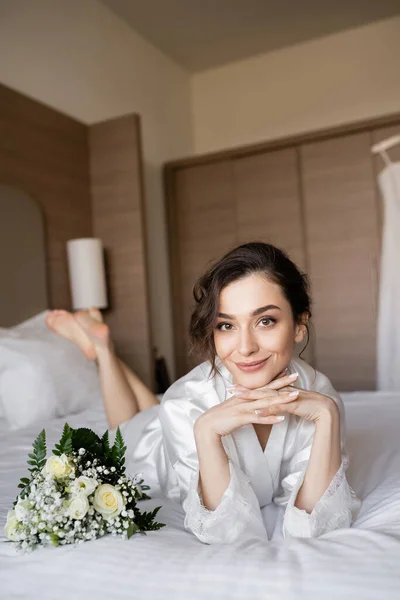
362, 562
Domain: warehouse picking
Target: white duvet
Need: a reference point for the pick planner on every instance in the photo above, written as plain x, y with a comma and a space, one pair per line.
362, 562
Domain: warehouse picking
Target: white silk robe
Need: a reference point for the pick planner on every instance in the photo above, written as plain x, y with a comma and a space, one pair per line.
161, 444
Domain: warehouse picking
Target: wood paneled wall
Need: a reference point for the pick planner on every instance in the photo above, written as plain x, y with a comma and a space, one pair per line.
341, 229
316, 196
117, 196
45, 154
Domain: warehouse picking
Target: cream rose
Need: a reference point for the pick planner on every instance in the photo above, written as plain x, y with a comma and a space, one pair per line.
86, 485
10, 528
78, 507
58, 466
108, 501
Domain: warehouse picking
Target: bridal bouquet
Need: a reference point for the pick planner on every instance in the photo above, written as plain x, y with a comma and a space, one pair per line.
81, 492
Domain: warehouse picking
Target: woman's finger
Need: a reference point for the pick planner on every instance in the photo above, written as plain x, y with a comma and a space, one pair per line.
278, 409
249, 395
255, 419
277, 384
266, 402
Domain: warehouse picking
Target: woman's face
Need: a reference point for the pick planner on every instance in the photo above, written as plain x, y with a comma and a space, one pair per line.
255, 332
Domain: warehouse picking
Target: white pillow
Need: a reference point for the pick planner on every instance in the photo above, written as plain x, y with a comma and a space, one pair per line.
42, 375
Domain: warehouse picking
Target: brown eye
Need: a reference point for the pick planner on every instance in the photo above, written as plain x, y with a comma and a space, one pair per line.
267, 321
224, 326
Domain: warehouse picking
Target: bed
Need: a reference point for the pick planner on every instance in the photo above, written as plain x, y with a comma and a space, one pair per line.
361, 562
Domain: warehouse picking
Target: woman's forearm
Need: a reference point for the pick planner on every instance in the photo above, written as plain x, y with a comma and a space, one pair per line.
214, 472
324, 461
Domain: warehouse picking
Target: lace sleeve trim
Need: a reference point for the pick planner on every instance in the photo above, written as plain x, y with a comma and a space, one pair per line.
336, 508
227, 522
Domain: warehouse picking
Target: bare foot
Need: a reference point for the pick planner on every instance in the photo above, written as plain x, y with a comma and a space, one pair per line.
92, 324
64, 323
96, 314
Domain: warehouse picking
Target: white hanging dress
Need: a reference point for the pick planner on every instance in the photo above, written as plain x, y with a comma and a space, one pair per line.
388, 336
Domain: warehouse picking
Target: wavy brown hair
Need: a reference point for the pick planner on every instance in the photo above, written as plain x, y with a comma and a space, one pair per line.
247, 259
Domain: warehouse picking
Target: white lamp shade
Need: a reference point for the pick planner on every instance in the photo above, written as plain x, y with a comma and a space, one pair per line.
86, 273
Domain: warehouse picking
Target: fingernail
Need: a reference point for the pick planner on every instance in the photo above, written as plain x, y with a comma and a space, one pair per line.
231, 388
258, 411
280, 418
293, 394
293, 376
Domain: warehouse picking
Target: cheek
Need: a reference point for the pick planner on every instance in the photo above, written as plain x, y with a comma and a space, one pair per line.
279, 340
224, 344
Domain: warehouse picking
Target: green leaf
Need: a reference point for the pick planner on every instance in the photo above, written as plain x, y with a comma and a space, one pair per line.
133, 528
145, 521
38, 456
54, 539
37, 462
105, 441
65, 444
117, 452
88, 439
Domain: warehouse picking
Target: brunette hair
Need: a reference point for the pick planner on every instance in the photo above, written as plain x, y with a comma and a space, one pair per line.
247, 259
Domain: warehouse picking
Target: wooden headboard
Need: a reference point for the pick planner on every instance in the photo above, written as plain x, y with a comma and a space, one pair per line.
23, 258
84, 181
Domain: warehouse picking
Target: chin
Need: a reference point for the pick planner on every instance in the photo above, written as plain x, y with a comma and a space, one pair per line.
253, 380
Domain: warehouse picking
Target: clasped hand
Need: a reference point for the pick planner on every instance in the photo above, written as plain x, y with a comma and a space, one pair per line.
266, 405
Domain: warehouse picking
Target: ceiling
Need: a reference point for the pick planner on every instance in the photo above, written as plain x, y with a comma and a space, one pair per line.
201, 34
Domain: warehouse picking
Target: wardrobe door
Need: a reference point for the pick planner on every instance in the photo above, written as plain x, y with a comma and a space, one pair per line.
203, 214
342, 241
268, 206
268, 203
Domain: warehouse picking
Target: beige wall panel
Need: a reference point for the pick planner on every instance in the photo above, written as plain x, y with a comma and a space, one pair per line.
117, 193
206, 229
342, 240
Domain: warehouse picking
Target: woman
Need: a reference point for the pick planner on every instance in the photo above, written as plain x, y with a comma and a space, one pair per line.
251, 424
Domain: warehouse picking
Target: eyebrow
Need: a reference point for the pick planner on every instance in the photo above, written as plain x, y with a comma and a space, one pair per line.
255, 313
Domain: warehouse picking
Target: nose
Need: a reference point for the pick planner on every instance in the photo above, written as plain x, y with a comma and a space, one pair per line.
247, 343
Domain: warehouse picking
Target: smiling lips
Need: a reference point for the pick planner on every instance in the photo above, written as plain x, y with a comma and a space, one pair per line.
251, 367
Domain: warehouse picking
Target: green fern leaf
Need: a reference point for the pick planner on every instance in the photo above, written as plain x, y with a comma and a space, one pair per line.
146, 521
105, 442
38, 456
37, 462
65, 444
117, 452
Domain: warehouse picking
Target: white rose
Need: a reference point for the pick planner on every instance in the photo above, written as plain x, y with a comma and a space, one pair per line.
78, 507
86, 485
22, 509
10, 528
58, 466
108, 501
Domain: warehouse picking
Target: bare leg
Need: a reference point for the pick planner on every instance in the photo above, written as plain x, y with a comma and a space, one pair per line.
121, 401
145, 397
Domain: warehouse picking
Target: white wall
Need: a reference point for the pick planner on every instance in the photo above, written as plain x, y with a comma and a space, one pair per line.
341, 78
79, 58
